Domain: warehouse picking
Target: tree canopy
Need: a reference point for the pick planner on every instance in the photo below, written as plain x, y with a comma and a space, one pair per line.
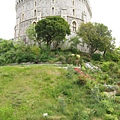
96, 36
31, 33
52, 29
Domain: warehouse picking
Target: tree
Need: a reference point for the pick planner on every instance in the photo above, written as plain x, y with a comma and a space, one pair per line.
31, 33
5, 45
74, 41
52, 29
96, 36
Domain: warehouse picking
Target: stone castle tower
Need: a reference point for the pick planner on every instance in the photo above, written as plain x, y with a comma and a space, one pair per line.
31, 11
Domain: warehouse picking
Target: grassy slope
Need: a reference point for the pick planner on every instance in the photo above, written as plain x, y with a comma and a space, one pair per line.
26, 92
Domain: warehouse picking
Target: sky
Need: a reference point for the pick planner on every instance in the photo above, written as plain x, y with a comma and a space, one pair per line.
108, 13
103, 11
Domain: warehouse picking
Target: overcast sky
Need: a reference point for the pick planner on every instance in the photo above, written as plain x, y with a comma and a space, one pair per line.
104, 11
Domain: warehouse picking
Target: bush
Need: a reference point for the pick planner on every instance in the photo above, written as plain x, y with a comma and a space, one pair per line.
82, 80
73, 59
10, 56
86, 59
111, 57
96, 57
118, 92
62, 59
109, 66
2, 60
110, 117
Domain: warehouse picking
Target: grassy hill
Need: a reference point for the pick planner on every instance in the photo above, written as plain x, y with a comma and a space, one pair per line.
27, 92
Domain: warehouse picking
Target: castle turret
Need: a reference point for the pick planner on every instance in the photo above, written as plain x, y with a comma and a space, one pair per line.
29, 11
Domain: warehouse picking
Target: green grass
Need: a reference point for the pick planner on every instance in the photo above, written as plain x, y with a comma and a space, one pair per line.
26, 92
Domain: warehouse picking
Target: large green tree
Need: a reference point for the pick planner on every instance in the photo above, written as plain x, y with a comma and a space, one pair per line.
96, 36
52, 29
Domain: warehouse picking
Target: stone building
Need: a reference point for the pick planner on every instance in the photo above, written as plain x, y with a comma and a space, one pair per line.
31, 11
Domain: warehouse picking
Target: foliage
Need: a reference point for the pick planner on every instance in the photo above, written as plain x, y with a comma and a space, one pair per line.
82, 80
5, 46
112, 56
31, 33
52, 29
74, 42
109, 66
96, 36
61, 97
7, 113
17, 52
96, 57
110, 117
74, 59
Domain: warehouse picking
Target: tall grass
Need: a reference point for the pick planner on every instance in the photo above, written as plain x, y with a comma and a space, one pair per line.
27, 92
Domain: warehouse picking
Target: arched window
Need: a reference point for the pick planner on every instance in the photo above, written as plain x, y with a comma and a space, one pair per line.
34, 22
35, 3
34, 13
53, 10
73, 12
74, 26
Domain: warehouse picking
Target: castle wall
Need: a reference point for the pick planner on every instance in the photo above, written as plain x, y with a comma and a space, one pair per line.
28, 11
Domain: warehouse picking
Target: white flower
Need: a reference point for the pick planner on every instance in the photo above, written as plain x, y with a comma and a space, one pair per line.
72, 54
78, 56
45, 114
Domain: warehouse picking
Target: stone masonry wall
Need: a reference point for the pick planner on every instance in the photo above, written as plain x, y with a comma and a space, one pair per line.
29, 11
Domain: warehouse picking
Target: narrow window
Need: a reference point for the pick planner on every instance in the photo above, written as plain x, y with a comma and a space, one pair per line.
35, 3
73, 3
73, 12
53, 1
34, 13
53, 10
74, 26
22, 17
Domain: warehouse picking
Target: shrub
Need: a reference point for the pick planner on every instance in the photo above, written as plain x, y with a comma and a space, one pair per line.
74, 59
2, 60
10, 56
70, 72
117, 99
110, 117
62, 59
109, 66
111, 57
35, 50
82, 79
96, 57
118, 92
86, 59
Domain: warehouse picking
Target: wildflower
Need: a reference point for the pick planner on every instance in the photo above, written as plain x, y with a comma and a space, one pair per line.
45, 114
72, 54
78, 56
